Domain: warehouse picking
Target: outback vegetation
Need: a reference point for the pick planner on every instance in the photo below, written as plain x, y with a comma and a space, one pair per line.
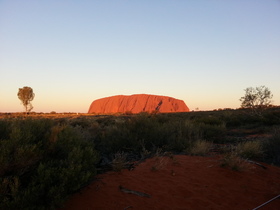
46, 158
256, 99
26, 95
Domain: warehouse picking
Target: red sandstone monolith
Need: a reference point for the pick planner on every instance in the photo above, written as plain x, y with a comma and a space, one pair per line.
137, 103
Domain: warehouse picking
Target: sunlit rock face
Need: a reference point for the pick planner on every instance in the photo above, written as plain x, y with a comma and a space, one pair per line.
137, 103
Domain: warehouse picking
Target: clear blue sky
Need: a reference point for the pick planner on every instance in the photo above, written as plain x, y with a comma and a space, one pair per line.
73, 52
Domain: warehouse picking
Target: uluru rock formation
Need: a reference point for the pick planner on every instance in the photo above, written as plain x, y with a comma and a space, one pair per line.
137, 103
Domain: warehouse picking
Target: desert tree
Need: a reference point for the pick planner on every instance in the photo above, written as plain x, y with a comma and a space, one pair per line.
26, 95
256, 99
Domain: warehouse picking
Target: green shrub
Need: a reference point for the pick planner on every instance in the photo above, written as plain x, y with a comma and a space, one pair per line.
115, 138
23, 148
215, 133
132, 134
43, 162
271, 117
181, 134
4, 128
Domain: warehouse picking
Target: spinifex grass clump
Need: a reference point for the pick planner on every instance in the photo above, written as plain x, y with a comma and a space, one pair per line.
250, 149
200, 147
233, 161
238, 157
42, 162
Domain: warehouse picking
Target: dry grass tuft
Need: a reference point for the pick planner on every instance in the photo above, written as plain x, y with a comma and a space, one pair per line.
160, 163
119, 162
250, 149
234, 162
200, 148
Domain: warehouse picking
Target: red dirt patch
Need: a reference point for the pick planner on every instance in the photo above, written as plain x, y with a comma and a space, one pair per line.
184, 182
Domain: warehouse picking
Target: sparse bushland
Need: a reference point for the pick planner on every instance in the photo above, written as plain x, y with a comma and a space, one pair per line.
43, 160
148, 132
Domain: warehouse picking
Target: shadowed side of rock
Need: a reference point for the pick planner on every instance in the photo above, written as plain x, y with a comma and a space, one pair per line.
137, 103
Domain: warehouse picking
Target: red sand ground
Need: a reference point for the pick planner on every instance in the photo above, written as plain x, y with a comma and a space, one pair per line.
184, 182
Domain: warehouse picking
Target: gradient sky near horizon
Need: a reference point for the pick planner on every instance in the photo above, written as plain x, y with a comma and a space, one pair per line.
205, 52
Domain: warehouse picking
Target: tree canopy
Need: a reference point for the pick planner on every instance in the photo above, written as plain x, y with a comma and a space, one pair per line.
26, 95
256, 98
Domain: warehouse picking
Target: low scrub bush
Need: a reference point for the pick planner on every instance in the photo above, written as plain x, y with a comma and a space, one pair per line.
146, 131
4, 128
239, 118
272, 147
271, 117
42, 162
180, 135
250, 149
234, 162
210, 120
215, 133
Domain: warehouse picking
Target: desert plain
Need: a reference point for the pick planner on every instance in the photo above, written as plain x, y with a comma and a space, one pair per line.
170, 179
